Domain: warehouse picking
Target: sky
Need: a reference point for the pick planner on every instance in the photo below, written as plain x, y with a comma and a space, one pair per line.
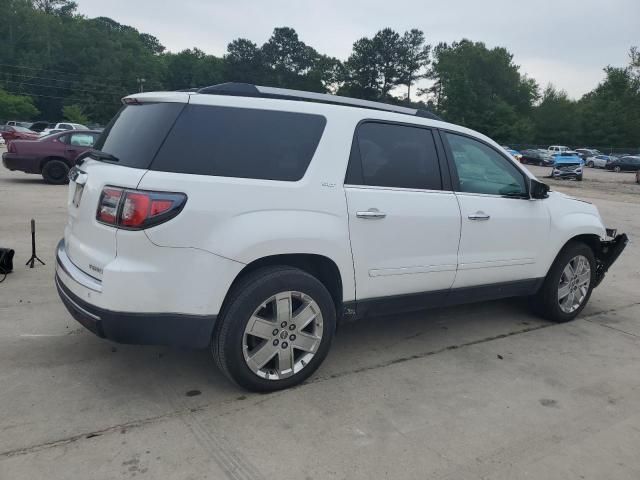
563, 42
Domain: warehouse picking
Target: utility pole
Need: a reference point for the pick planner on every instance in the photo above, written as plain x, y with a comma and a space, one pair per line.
141, 83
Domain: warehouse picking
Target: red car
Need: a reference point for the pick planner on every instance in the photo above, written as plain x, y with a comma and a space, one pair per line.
11, 133
51, 156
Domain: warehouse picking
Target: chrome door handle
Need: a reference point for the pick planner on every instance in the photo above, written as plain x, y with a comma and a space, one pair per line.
372, 213
479, 216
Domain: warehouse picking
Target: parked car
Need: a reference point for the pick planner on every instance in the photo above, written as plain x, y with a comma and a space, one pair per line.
598, 161
250, 239
63, 126
15, 123
514, 153
567, 165
585, 153
624, 164
535, 157
18, 133
51, 156
39, 126
554, 149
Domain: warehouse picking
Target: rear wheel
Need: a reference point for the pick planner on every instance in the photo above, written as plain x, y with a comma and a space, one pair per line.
523, 160
568, 285
275, 330
55, 172
590, 164
617, 169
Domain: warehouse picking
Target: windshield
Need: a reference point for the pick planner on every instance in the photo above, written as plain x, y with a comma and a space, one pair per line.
22, 129
135, 134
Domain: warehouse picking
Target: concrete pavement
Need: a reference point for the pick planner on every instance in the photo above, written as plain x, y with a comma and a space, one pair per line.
477, 391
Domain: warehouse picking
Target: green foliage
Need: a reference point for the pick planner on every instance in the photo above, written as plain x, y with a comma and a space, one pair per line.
482, 89
74, 114
16, 107
54, 62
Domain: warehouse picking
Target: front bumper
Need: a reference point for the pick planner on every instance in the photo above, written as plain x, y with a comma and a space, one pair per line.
608, 253
15, 161
173, 329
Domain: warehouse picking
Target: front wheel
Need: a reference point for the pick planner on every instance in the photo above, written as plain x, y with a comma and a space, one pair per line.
579, 178
275, 329
590, 164
617, 169
568, 285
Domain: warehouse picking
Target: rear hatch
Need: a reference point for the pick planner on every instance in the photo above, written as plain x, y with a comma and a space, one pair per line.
128, 145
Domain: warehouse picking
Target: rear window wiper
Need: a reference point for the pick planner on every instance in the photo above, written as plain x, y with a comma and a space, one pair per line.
103, 156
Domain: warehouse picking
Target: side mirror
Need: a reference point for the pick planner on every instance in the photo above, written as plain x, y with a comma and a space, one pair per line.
539, 190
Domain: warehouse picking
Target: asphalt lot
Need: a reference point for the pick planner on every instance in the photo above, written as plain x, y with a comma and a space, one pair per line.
478, 391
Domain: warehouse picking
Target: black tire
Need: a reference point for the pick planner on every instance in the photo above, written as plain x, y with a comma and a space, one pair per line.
579, 178
617, 169
55, 172
590, 164
545, 302
250, 292
523, 160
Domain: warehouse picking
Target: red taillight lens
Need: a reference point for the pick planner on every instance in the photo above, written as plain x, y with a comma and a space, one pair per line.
108, 206
137, 209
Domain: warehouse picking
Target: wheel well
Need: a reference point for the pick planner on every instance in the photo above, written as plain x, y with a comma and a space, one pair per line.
323, 268
47, 159
590, 239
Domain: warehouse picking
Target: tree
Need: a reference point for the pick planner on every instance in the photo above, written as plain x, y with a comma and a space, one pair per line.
75, 114
192, 68
243, 62
556, 118
374, 67
61, 8
17, 107
414, 58
482, 89
291, 63
610, 114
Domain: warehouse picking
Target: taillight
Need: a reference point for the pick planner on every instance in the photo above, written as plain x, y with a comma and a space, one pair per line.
137, 209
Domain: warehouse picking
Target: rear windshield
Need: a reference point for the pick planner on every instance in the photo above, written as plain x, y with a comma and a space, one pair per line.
241, 142
137, 131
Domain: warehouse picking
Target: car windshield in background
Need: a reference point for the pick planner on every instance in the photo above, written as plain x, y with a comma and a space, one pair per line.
135, 134
22, 129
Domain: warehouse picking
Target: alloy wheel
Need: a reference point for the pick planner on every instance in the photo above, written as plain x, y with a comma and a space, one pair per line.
282, 335
574, 284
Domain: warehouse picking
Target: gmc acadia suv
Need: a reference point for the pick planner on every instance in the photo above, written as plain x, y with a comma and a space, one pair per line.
252, 219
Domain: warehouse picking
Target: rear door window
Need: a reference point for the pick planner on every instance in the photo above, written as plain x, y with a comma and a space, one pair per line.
135, 134
393, 155
241, 142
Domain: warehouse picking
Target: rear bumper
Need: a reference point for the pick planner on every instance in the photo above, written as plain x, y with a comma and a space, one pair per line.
173, 329
608, 253
15, 161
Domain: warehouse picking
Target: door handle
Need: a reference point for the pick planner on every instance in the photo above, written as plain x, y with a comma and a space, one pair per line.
480, 215
372, 214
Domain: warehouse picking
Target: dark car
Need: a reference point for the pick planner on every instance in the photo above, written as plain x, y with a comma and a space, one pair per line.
52, 156
13, 132
624, 164
39, 126
535, 157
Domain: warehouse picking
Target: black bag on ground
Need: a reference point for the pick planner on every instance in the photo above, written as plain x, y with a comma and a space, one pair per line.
6, 260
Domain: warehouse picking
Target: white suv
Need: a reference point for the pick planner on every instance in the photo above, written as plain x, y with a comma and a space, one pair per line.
253, 219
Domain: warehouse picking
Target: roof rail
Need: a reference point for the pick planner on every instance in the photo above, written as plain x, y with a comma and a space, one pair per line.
250, 90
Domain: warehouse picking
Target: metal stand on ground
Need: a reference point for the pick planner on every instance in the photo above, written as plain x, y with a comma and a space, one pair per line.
34, 257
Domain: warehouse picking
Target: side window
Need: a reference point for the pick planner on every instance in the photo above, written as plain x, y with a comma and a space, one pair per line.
241, 142
395, 156
82, 139
66, 126
483, 170
64, 139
